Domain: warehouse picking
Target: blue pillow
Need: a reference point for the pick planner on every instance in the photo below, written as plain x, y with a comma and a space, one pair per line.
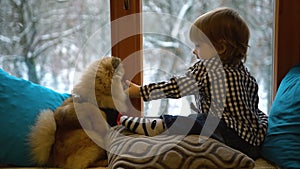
20, 103
282, 142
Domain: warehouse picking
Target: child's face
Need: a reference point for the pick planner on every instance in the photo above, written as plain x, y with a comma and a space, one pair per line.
203, 50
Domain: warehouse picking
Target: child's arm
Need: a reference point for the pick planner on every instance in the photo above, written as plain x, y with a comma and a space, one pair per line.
175, 88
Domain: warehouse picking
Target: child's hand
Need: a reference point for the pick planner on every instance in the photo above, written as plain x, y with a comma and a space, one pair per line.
133, 90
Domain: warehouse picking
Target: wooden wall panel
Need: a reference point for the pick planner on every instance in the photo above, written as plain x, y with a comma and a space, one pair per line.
287, 38
127, 42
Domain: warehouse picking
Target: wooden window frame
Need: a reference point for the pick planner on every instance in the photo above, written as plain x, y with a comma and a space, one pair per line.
127, 43
286, 39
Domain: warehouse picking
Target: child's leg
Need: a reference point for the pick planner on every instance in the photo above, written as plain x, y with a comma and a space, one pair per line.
145, 126
232, 139
181, 125
151, 127
199, 124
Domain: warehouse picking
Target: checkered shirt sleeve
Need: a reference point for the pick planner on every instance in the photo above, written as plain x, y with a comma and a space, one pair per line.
176, 87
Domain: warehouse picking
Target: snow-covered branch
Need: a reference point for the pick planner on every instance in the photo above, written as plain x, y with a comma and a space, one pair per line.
180, 16
45, 46
56, 35
5, 39
163, 44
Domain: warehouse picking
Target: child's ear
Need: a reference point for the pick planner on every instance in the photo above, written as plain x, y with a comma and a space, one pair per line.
221, 46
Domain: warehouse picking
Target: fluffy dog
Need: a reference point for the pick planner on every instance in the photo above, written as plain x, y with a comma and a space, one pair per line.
73, 135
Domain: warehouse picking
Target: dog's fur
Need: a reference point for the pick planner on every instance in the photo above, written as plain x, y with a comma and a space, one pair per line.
66, 138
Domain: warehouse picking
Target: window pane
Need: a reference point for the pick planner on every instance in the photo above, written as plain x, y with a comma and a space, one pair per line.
46, 42
167, 50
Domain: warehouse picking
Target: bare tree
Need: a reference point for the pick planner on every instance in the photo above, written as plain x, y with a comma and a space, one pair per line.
44, 37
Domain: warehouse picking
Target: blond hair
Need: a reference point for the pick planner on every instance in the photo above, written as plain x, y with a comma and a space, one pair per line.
224, 27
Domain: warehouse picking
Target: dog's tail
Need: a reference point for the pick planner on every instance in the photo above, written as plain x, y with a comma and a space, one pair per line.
42, 137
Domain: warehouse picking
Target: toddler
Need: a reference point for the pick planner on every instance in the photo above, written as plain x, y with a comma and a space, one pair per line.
226, 95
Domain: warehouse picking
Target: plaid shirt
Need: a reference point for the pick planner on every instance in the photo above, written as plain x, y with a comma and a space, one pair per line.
225, 91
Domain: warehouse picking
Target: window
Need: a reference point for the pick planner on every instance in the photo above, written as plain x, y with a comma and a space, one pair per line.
167, 50
47, 42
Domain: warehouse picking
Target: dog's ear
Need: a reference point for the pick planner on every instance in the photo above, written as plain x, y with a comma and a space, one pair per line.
115, 62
